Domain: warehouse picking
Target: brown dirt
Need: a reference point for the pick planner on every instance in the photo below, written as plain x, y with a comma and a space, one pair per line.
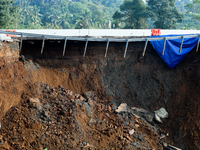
146, 83
61, 119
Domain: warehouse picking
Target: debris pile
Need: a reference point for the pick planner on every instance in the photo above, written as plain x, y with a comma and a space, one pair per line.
61, 119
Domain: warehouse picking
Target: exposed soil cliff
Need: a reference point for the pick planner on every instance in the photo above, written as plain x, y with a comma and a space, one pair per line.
140, 82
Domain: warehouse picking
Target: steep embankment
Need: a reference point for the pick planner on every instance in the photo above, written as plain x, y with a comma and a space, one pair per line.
140, 82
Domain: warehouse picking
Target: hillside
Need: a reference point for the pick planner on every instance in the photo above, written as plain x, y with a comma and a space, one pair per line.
72, 102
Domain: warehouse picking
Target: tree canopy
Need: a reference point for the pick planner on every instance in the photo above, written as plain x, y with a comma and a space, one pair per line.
194, 9
166, 14
8, 13
66, 14
133, 14
91, 14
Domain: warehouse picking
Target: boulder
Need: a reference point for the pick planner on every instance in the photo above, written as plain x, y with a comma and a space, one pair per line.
122, 108
35, 102
89, 94
162, 113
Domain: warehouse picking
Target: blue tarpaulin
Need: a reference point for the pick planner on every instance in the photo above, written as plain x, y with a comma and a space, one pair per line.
172, 56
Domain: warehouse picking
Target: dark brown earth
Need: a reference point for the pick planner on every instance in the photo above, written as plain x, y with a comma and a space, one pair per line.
61, 119
140, 82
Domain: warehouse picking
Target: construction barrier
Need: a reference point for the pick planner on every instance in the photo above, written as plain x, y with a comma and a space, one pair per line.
155, 32
10, 35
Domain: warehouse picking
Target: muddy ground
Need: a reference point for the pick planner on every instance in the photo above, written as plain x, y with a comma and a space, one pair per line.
140, 82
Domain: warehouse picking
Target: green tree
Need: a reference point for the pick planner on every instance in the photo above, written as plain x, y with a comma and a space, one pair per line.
133, 14
194, 9
8, 12
166, 15
66, 14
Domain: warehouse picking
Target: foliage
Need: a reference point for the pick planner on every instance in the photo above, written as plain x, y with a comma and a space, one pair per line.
85, 14
194, 9
133, 14
8, 14
188, 21
66, 14
166, 15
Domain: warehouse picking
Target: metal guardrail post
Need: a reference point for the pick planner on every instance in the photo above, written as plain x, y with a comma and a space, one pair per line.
126, 48
107, 47
43, 44
65, 46
163, 52
145, 47
21, 42
198, 44
86, 43
181, 44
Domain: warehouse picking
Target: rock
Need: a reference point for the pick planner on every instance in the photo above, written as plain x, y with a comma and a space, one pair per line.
162, 136
89, 94
88, 109
4, 146
91, 121
84, 143
139, 110
103, 106
109, 108
164, 144
122, 108
148, 117
162, 113
45, 114
173, 147
157, 118
137, 125
35, 102
131, 132
81, 98
1, 139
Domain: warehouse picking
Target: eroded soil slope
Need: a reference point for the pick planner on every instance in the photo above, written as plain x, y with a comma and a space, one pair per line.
144, 82
61, 119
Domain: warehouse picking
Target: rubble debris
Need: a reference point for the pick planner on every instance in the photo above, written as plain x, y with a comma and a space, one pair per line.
59, 119
157, 118
162, 136
122, 108
131, 131
139, 109
89, 94
169, 147
162, 113
164, 144
35, 102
